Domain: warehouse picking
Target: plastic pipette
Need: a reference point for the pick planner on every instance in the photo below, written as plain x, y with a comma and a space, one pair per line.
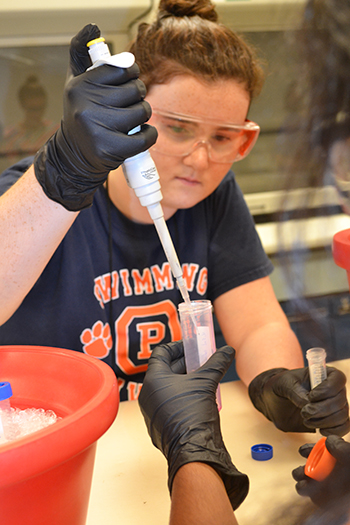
171, 255
141, 173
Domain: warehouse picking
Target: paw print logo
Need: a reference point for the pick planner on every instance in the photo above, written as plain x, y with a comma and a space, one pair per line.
97, 341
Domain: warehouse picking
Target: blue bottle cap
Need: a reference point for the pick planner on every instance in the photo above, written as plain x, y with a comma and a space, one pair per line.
5, 390
262, 452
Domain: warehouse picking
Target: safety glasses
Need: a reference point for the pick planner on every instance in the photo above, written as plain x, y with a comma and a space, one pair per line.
179, 135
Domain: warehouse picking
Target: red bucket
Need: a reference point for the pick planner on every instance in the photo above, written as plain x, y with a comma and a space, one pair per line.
45, 477
341, 251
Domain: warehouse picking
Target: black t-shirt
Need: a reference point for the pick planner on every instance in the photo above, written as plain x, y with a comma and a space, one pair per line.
108, 290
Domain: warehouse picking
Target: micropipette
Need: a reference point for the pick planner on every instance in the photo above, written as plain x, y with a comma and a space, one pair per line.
140, 171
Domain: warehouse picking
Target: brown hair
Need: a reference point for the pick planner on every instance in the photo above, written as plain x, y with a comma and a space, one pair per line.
186, 38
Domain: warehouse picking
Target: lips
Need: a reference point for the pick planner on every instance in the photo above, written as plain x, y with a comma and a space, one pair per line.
189, 181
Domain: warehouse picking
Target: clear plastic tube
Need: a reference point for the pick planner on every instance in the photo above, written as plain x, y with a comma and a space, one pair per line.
317, 365
5, 412
198, 335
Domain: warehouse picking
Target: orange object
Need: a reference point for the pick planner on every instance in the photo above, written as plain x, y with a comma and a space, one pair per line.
45, 477
341, 251
320, 462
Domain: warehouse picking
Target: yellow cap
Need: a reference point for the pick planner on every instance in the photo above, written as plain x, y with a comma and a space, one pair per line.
95, 41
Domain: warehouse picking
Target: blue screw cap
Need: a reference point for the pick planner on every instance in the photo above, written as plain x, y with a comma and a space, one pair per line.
262, 452
5, 390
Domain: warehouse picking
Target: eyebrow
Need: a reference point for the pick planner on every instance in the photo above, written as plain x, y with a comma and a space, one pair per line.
181, 119
190, 119
217, 126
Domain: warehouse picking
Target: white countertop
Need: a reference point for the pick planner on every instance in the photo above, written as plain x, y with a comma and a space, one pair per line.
130, 477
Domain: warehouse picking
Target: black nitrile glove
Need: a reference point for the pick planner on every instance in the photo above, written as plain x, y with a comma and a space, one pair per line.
336, 485
182, 417
284, 397
100, 107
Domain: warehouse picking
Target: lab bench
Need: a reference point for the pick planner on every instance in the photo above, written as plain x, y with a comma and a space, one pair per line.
129, 484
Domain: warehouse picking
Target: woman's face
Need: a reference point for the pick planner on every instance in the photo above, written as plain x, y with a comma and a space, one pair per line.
187, 180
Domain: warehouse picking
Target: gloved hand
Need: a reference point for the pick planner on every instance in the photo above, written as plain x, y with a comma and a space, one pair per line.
336, 485
99, 108
182, 417
285, 398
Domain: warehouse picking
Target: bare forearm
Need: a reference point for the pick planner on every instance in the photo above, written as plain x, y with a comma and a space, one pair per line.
273, 346
31, 228
199, 497
253, 322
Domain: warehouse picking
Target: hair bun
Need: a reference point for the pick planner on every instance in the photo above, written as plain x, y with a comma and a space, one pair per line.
203, 8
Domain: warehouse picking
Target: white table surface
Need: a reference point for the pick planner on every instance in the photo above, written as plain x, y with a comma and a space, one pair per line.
129, 484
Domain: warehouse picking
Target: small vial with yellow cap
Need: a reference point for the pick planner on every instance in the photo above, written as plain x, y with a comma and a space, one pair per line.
100, 54
98, 49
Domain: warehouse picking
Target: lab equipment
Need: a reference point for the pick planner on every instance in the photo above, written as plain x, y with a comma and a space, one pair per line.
320, 462
46, 476
5, 411
317, 365
198, 335
261, 452
140, 171
100, 54
341, 251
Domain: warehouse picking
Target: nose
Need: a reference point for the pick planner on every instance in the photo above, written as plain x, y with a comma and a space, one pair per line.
200, 155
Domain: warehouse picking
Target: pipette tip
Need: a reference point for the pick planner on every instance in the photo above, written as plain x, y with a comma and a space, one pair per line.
185, 295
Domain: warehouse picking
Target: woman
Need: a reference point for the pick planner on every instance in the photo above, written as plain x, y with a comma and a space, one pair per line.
97, 280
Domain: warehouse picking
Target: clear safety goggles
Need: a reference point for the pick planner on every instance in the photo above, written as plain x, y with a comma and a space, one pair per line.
179, 135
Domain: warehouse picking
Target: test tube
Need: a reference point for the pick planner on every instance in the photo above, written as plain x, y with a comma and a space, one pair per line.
5, 411
198, 338
317, 365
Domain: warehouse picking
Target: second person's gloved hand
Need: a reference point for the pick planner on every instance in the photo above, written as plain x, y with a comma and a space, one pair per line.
285, 398
100, 107
182, 417
337, 483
